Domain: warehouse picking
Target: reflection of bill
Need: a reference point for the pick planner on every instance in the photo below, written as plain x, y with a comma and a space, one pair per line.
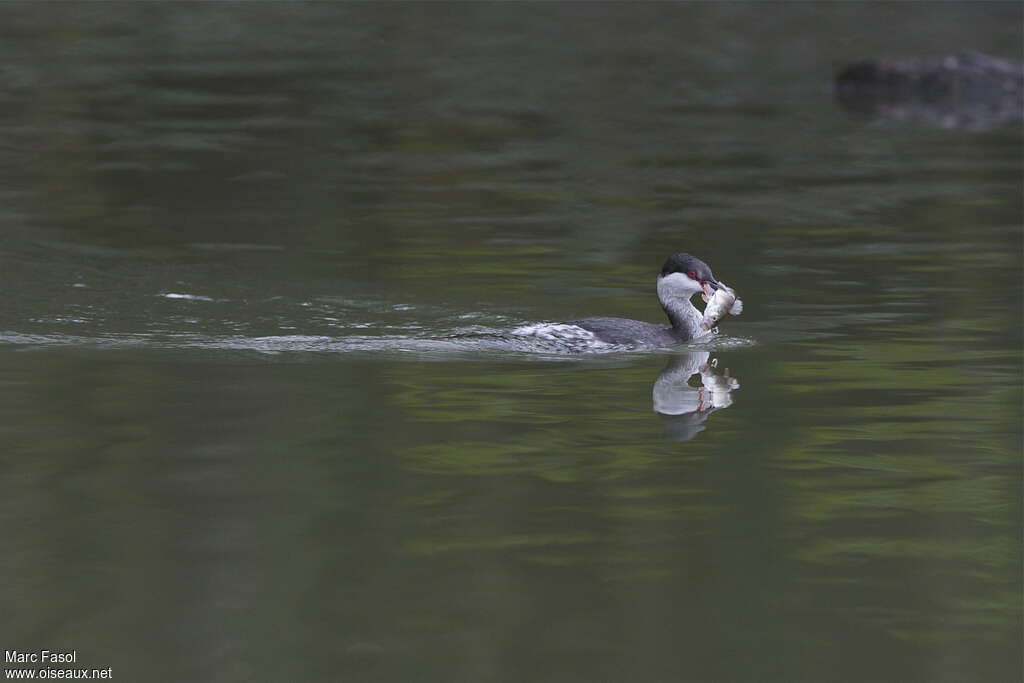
683, 407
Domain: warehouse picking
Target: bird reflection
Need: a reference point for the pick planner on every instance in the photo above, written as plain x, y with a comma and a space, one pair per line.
684, 408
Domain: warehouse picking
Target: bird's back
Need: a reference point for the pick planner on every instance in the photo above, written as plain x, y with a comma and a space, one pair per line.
629, 332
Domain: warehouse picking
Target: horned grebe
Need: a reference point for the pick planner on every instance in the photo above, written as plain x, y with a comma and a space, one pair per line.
681, 277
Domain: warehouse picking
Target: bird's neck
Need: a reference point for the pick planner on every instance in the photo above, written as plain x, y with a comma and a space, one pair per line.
683, 315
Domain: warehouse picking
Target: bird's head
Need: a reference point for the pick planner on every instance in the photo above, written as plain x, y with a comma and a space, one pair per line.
686, 275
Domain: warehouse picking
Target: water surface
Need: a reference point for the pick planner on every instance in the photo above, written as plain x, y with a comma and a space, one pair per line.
259, 423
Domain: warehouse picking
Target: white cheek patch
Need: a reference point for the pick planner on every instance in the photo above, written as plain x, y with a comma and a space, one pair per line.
677, 285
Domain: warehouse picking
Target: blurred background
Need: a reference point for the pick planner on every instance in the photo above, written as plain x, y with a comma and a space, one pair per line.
252, 429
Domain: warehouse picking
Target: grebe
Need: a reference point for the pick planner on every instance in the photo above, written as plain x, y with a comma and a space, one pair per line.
681, 277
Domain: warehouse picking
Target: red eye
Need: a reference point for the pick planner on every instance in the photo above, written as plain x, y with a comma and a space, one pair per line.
692, 275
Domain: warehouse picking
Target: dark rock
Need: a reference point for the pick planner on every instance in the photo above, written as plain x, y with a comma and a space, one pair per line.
971, 90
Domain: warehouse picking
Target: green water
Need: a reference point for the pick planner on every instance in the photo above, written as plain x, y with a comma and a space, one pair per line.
256, 424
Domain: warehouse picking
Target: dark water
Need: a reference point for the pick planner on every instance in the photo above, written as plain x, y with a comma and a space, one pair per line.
256, 425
